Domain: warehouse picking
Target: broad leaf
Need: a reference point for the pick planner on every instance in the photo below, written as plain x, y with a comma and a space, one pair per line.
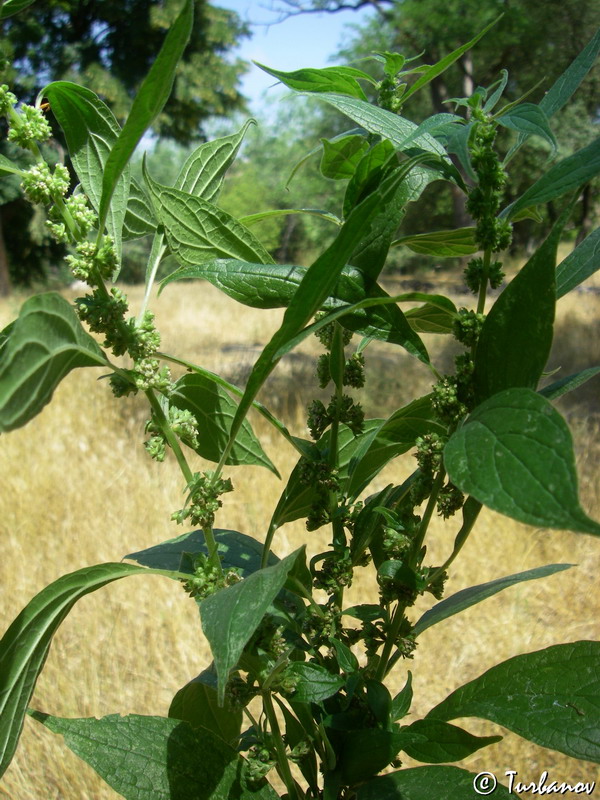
25, 645
563, 177
45, 343
274, 285
391, 438
579, 265
425, 783
236, 551
157, 758
327, 79
374, 166
403, 700
529, 119
313, 682
475, 594
363, 753
442, 244
204, 170
384, 123
444, 742
341, 156
514, 454
139, 217
214, 410
516, 337
230, 617
91, 131
197, 704
551, 697
197, 230
148, 103
568, 384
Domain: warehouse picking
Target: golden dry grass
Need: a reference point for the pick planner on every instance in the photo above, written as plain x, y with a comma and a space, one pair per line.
78, 489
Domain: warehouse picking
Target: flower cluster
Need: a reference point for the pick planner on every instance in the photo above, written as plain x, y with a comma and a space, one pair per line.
41, 185
28, 127
207, 579
203, 500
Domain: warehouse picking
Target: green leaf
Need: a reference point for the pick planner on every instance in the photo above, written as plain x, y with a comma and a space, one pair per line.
442, 244
139, 217
274, 285
403, 700
384, 123
204, 170
327, 79
148, 103
516, 337
340, 157
563, 177
577, 267
157, 758
197, 230
91, 131
550, 697
364, 753
10, 7
250, 219
529, 119
370, 171
230, 617
515, 455
197, 704
391, 438
8, 167
475, 594
45, 343
314, 683
25, 645
425, 783
214, 410
444, 63
444, 742
568, 384
236, 551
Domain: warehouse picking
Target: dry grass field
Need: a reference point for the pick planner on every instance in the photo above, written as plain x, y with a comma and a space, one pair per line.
79, 489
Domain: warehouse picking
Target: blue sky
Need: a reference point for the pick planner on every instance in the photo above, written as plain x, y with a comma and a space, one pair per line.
301, 41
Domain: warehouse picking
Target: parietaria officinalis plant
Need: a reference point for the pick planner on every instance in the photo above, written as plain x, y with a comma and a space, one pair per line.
328, 724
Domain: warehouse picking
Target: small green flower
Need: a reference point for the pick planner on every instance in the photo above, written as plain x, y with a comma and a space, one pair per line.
29, 127
7, 100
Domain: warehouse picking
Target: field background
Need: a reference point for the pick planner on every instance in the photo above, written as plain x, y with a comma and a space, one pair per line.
79, 489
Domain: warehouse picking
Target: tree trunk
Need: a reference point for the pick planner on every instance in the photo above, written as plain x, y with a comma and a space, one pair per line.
5, 286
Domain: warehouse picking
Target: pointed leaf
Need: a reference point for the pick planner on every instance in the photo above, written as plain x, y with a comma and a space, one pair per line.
551, 697
370, 171
444, 742
250, 219
403, 700
25, 645
214, 410
442, 244
10, 7
475, 594
197, 230
91, 131
45, 343
204, 170
424, 783
148, 103
197, 704
568, 384
364, 753
236, 551
515, 455
314, 683
529, 119
230, 617
563, 177
579, 265
327, 79
157, 758
340, 157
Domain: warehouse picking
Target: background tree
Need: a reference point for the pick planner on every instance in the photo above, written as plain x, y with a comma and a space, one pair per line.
108, 46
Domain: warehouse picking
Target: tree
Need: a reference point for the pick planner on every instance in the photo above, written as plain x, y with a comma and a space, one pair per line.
86, 41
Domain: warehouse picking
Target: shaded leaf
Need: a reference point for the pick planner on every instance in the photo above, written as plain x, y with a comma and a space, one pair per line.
157, 758
341, 156
579, 265
424, 783
568, 384
10, 7
230, 617
314, 683
45, 343
551, 697
515, 455
529, 119
475, 594
444, 742
442, 244
197, 703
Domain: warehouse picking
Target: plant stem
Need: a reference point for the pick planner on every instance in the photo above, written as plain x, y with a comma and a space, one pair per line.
283, 766
394, 629
158, 251
420, 537
487, 257
170, 436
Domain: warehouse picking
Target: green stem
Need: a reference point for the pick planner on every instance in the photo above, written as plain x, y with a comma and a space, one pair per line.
394, 630
156, 255
283, 766
461, 538
487, 257
431, 503
170, 436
